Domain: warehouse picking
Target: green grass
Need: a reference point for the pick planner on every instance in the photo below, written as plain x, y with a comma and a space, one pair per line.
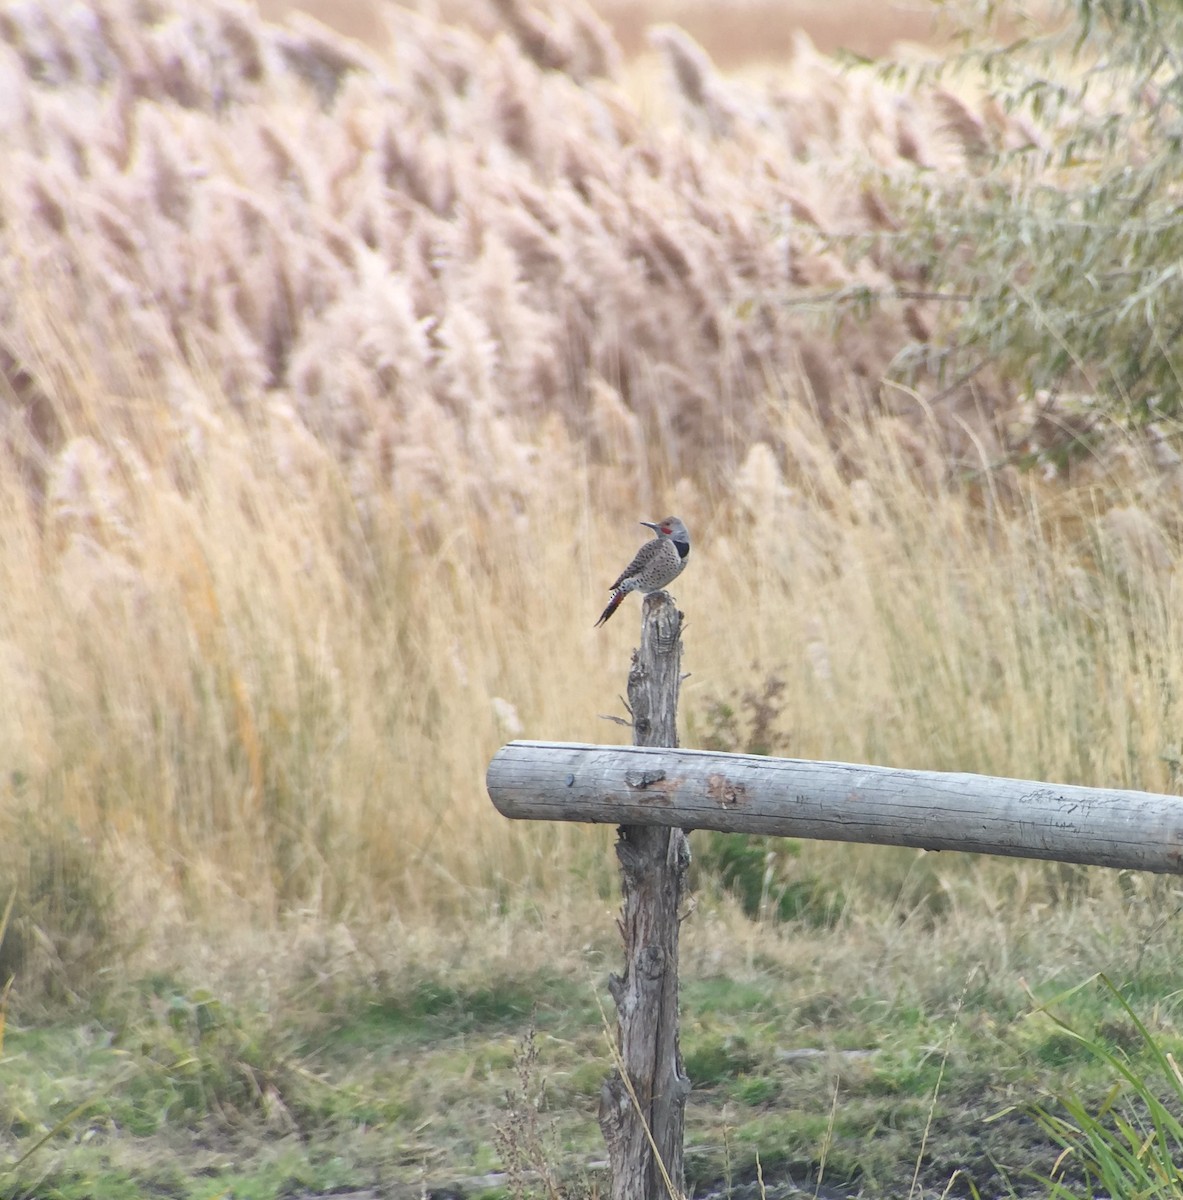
830, 1048
1128, 1145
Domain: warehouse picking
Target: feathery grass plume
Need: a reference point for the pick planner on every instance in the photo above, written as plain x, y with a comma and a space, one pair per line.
566, 37
669, 227
706, 97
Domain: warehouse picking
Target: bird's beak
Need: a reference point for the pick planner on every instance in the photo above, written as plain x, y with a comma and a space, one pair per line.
654, 525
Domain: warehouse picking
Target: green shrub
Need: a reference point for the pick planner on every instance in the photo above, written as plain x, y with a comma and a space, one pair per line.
758, 872
1058, 260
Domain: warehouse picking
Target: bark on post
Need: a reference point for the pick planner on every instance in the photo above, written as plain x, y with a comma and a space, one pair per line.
653, 864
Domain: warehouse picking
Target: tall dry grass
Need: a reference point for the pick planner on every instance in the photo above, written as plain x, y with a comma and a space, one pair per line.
333, 390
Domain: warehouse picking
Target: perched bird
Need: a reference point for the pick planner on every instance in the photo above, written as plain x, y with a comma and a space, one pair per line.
657, 563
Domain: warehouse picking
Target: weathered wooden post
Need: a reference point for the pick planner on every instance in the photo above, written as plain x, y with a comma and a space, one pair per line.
643, 1125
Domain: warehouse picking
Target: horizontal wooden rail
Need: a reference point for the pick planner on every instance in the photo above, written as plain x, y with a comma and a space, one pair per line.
841, 802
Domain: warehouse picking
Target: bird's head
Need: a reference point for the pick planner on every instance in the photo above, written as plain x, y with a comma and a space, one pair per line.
670, 527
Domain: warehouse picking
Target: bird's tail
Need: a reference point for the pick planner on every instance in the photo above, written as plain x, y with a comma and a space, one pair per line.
613, 605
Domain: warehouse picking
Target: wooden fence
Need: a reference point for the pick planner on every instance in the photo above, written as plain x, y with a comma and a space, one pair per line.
838, 802
654, 792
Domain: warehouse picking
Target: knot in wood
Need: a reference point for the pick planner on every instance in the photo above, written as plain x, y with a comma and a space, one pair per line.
668, 634
642, 779
635, 861
651, 962
615, 1103
725, 792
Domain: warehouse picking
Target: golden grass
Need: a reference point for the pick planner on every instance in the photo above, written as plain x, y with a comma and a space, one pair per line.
316, 472
276, 699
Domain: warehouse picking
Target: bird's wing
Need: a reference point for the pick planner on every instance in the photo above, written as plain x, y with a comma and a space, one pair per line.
639, 560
